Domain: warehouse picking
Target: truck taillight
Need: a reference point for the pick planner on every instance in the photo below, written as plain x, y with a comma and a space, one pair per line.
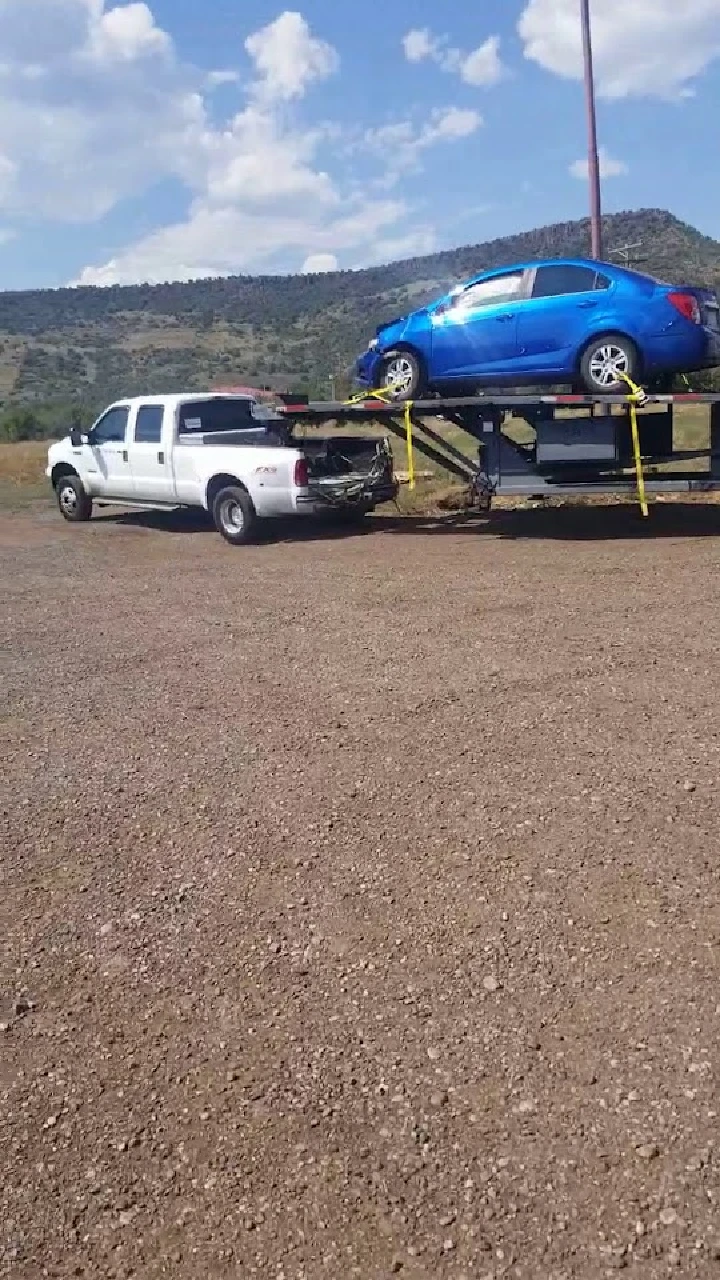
687, 304
301, 477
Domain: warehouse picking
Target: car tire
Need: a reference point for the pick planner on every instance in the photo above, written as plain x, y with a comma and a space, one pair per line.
403, 371
234, 515
603, 358
74, 503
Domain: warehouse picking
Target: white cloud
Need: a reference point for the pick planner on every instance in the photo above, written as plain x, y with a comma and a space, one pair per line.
221, 241
127, 32
650, 48
316, 263
482, 67
215, 79
419, 44
289, 58
402, 145
609, 166
96, 107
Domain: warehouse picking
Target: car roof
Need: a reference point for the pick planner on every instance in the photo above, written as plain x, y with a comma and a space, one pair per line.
532, 263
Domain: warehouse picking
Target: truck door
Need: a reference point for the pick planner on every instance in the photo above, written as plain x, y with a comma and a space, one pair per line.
105, 457
150, 456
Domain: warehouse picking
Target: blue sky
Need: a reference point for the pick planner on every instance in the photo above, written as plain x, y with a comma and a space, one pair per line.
175, 139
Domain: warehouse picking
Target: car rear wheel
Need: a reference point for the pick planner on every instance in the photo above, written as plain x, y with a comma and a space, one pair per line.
605, 360
403, 377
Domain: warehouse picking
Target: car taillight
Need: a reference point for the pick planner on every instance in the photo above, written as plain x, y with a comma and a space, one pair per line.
301, 477
687, 304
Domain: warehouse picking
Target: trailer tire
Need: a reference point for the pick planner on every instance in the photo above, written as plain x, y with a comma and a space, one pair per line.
74, 503
234, 515
404, 370
603, 358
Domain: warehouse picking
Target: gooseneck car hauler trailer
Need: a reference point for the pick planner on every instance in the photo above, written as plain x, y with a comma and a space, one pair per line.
579, 444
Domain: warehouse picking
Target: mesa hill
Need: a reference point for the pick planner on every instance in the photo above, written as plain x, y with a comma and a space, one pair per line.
92, 345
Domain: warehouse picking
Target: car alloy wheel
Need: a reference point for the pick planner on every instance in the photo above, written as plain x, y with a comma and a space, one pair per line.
399, 376
607, 364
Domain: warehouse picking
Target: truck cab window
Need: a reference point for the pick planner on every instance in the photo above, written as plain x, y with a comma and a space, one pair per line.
200, 417
148, 424
112, 426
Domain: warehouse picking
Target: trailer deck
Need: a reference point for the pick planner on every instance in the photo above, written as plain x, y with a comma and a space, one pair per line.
579, 445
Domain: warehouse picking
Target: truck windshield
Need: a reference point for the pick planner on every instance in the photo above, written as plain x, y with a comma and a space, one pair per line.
203, 416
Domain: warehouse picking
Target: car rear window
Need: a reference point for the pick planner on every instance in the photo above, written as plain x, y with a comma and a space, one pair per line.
562, 278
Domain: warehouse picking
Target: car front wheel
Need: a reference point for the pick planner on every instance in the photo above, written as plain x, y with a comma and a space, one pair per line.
403, 377
605, 360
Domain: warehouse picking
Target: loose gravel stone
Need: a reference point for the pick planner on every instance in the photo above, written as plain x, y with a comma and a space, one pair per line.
338, 879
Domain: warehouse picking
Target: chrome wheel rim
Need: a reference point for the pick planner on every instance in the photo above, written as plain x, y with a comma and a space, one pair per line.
607, 364
399, 376
68, 500
232, 516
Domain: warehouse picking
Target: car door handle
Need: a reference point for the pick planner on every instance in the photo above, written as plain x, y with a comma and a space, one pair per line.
504, 319
585, 306
125, 455
161, 457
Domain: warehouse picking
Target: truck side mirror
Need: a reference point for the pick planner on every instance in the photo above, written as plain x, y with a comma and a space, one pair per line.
76, 437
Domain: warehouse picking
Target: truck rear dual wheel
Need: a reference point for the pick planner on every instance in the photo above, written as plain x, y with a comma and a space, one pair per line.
74, 503
234, 515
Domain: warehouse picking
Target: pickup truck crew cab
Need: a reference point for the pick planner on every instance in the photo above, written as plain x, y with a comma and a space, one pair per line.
228, 454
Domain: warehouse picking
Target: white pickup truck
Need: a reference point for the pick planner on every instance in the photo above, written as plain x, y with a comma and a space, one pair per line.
228, 454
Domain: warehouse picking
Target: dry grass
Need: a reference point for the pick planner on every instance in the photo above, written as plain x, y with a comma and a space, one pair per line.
23, 465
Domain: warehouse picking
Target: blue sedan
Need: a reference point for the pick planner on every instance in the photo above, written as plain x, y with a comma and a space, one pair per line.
562, 321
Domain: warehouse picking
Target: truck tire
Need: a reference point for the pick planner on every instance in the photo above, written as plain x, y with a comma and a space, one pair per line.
74, 503
234, 515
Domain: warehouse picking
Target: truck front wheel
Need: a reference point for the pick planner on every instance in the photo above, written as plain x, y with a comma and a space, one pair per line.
74, 503
234, 515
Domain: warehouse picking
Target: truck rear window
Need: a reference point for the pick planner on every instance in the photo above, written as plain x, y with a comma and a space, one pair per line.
203, 416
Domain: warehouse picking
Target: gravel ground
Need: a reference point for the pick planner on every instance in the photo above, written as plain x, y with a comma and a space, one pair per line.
359, 900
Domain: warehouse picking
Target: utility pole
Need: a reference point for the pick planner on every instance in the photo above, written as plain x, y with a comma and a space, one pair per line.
593, 155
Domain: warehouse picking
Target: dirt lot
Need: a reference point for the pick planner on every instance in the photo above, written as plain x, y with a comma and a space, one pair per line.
359, 900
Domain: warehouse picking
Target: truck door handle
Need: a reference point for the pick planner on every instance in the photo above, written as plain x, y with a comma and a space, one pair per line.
125, 455
161, 456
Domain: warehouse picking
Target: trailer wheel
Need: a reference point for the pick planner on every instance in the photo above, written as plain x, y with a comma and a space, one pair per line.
234, 515
74, 503
403, 375
604, 359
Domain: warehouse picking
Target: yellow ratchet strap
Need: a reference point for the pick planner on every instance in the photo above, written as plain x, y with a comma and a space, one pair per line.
637, 397
384, 395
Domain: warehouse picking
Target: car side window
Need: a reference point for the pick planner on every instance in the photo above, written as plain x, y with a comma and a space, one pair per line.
148, 424
488, 293
112, 426
561, 279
